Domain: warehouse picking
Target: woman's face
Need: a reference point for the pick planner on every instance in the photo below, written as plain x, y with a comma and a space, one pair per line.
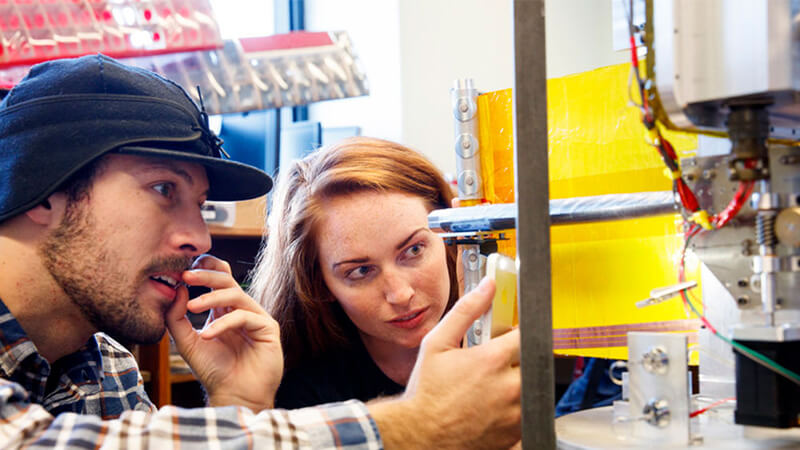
384, 265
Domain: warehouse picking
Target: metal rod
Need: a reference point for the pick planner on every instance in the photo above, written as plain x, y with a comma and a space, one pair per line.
533, 225
602, 208
562, 211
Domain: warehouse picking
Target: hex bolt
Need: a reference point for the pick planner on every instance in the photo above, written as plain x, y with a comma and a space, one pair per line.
742, 301
742, 283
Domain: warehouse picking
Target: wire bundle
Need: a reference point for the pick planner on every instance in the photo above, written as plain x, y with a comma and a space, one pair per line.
698, 219
688, 200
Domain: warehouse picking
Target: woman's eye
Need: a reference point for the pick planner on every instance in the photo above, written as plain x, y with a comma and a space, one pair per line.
358, 273
414, 250
165, 189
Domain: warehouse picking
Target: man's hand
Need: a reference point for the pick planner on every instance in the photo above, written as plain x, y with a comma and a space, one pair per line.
237, 356
458, 397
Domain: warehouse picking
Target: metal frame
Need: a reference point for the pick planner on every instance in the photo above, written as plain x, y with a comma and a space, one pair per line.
533, 226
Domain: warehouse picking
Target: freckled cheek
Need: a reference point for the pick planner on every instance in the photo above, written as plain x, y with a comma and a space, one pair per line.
356, 301
362, 310
434, 280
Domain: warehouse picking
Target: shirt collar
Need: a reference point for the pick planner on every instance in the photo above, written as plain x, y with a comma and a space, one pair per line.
18, 353
15, 346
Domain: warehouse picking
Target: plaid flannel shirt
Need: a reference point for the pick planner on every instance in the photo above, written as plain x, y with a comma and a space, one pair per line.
95, 398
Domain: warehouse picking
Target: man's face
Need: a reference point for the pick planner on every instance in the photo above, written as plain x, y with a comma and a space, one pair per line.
119, 253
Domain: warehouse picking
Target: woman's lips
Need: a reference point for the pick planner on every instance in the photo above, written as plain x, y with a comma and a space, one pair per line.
410, 320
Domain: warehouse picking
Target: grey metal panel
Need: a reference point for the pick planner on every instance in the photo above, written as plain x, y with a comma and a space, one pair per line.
708, 52
533, 227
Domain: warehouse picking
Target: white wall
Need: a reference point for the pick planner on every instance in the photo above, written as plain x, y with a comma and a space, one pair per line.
413, 50
579, 36
441, 41
373, 26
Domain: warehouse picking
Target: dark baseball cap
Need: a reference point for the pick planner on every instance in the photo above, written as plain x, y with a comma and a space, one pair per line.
66, 113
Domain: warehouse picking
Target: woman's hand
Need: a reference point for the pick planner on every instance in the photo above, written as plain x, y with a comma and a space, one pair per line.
237, 355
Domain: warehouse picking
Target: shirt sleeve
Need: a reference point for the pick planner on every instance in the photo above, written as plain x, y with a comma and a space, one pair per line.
334, 426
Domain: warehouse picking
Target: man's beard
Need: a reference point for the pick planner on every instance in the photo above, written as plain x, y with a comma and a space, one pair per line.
88, 273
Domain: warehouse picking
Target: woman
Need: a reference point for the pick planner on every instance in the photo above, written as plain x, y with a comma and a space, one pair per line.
351, 271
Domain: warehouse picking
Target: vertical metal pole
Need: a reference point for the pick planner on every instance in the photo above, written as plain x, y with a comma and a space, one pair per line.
533, 225
464, 100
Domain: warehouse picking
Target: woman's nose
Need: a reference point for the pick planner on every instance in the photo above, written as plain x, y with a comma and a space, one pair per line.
398, 291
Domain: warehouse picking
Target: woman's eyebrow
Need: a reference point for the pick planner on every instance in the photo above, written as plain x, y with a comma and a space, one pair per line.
350, 261
410, 237
362, 260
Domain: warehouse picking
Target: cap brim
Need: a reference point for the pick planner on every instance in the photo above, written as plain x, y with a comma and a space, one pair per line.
228, 180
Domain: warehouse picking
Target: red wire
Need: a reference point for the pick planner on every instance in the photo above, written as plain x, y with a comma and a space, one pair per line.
693, 230
743, 192
688, 198
700, 316
634, 56
668, 148
713, 405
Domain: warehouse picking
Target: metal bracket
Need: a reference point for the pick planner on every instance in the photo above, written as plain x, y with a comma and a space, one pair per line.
659, 387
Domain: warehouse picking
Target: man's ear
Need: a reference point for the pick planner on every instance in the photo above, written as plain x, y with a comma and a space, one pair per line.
49, 211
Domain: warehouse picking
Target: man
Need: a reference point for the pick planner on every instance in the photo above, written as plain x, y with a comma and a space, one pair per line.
103, 171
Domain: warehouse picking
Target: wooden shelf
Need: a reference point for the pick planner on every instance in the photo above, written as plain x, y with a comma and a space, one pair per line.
248, 221
154, 362
234, 232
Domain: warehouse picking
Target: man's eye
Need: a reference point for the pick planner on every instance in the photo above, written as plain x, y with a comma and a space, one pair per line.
358, 273
165, 189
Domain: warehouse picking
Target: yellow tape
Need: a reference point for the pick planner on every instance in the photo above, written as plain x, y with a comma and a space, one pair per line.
596, 146
651, 135
701, 218
672, 175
